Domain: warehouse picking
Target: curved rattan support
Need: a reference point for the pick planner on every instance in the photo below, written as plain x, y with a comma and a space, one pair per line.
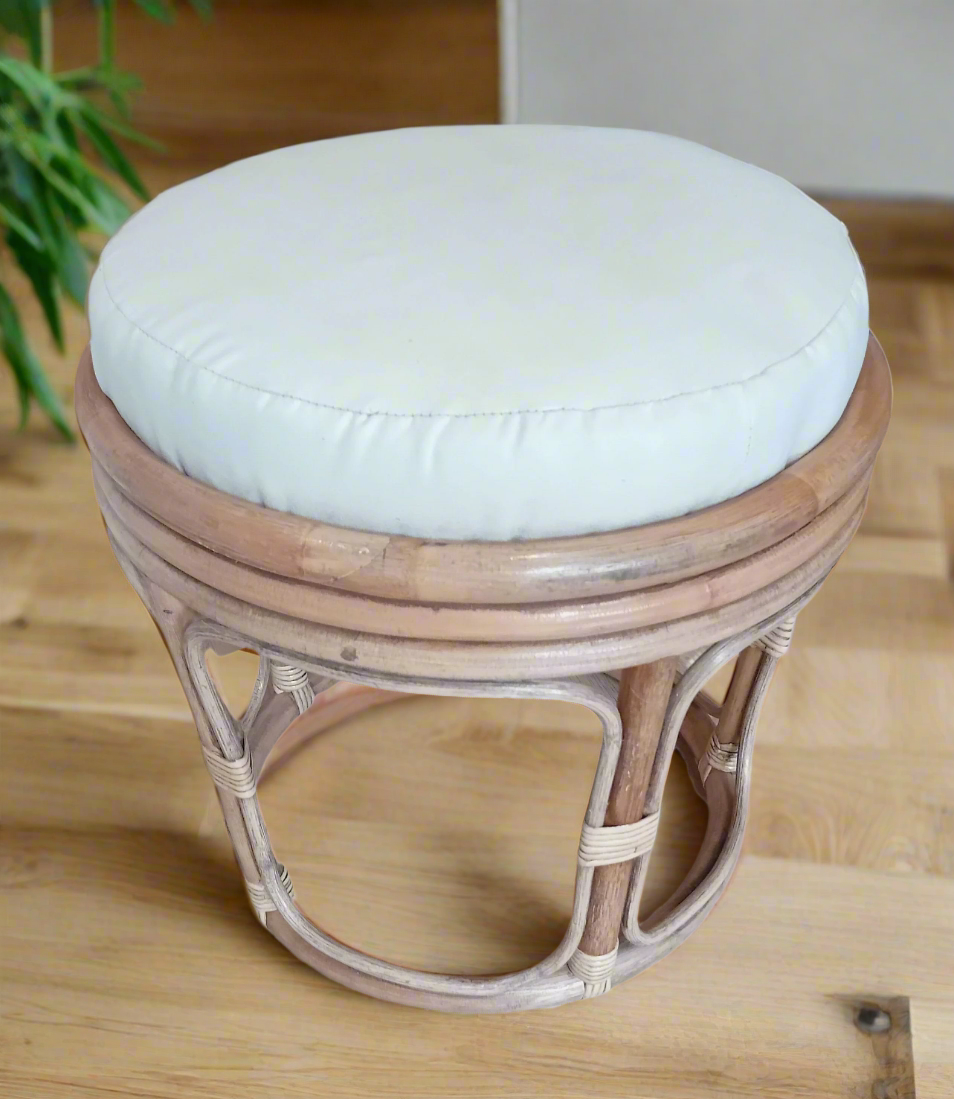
236, 751
722, 843
343, 700
598, 693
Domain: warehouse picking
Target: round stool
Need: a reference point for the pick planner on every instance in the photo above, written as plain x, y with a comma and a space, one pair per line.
518, 412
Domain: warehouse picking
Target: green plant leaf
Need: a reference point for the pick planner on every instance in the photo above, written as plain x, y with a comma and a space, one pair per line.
19, 74
119, 104
75, 198
72, 266
60, 243
62, 168
158, 9
98, 192
56, 133
39, 87
39, 269
111, 154
34, 206
119, 126
33, 198
22, 379
101, 78
22, 18
112, 207
30, 378
18, 172
17, 225
107, 30
67, 130
48, 215
11, 340
42, 392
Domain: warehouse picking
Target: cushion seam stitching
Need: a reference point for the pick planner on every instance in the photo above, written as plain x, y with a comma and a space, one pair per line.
473, 415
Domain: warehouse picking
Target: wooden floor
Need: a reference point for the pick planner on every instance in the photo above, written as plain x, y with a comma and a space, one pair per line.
131, 965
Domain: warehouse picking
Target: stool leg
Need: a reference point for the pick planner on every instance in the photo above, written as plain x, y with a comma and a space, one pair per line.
172, 619
643, 697
723, 750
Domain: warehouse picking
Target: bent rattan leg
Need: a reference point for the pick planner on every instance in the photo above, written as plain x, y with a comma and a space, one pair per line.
297, 697
643, 697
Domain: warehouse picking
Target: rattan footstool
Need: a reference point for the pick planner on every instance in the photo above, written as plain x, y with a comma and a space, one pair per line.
521, 412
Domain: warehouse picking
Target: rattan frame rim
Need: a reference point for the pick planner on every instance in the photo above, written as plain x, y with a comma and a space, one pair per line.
420, 571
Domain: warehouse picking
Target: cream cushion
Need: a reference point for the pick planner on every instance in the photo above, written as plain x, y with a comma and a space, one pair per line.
488, 332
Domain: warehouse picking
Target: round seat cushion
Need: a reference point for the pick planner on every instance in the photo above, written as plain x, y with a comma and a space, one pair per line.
488, 333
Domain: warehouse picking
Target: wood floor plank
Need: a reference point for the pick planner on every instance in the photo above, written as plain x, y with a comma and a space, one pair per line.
129, 961
123, 985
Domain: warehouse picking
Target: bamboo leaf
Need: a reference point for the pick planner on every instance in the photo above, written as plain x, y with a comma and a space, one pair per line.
34, 154
42, 392
65, 252
38, 267
17, 225
39, 87
43, 220
107, 30
119, 104
68, 131
54, 139
22, 18
111, 154
118, 126
113, 209
158, 9
31, 380
18, 172
72, 270
11, 339
56, 233
23, 384
100, 77
19, 74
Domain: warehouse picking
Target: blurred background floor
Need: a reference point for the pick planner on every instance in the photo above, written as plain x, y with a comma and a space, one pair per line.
131, 964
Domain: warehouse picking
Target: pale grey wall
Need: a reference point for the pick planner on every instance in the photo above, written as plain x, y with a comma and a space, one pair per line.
853, 96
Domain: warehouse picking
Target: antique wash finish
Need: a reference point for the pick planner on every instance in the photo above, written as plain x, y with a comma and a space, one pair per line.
516, 412
344, 620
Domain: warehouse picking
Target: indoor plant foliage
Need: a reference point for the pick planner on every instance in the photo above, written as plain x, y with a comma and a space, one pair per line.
62, 173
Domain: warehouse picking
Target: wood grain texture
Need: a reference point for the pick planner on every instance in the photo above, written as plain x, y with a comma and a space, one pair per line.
346, 651
743, 676
422, 571
913, 239
643, 697
892, 1049
474, 622
121, 913
262, 76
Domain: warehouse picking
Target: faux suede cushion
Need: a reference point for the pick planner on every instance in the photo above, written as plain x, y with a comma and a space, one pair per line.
487, 332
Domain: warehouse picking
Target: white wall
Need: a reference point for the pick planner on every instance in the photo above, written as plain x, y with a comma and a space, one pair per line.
850, 96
